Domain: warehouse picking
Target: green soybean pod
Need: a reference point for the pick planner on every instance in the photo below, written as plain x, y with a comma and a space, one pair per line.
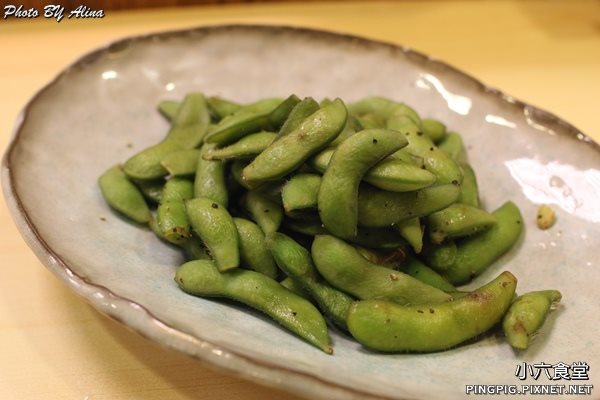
379, 208
253, 248
434, 129
300, 192
171, 213
469, 192
215, 226
350, 128
385, 326
181, 162
411, 230
436, 161
526, 316
146, 165
289, 152
237, 166
245, 148
296, 262
122, 195
221, 108
453, 145
457, 220
298, 315
194, 249
338, 193
385, 108
169, 108
299, 113
378, 238
415, 268
265, 211
476, 253
439, 256
210, 178
346, 269
393, 173
249, 120
372, 121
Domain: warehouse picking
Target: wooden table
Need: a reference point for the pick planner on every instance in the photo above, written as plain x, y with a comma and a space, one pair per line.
55, 346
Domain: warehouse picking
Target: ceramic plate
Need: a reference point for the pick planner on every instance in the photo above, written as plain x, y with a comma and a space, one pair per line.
102, 109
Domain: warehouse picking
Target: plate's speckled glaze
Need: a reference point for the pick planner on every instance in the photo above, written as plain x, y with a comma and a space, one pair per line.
101, 110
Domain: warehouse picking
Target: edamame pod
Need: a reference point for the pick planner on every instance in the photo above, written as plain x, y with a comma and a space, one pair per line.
434, 129
383, 107
393, 173
237, 166
436, 161
181, 162
122, 195
476, 253
379, 208
338, 193
457, 220
527, 314
469, 192
146, 164
246, 121
423, 273
151, 189
411, 230
371, 121
299, 113
210, 179
171, 214
289, 152
221, 108
385, 326
194, 249
296, 262
300, 192
253, 249
346, 269
202, 278
295, 287
266, 212
215, 226
245, 148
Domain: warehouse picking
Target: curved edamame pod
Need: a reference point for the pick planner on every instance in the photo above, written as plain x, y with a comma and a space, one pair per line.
146, 164
379, 208
171, 214
476, 253
338, 193
202, 278
290, 151
299, 113
346, 269
383, 107
457, 220
436, 161
253, 248
122, 195
296, 262
393, 173
210, 179
247, 147
434, 129
181, 162
526, 315
249, 120
469, 192
423, 273
300, 192
386, 326
266, 212
215, 226
221, 108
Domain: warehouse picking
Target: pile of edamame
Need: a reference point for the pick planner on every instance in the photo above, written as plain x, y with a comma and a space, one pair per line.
362, 215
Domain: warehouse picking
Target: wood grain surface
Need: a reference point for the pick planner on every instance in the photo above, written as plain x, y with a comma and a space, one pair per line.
55, 346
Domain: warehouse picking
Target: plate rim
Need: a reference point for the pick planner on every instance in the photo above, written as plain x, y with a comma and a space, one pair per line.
139, 318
